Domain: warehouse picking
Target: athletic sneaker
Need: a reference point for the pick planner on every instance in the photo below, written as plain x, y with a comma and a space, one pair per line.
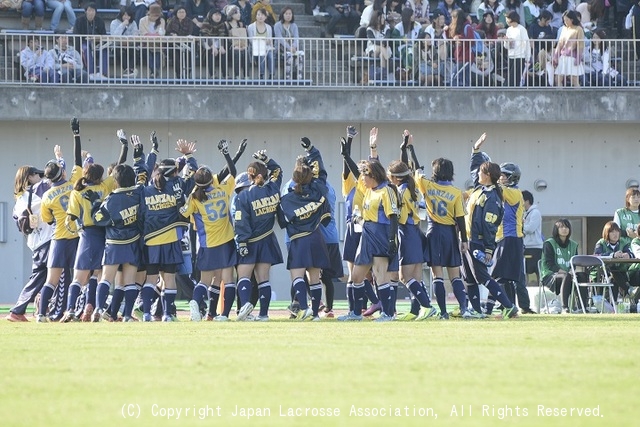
128, 319
69, 316
194, 311
42, 319
406, 317
294, 308
167, 318
305, 314
221, 318
259, 318
147, 317
472, 314
86, 314
315, 319
426, 312
372, 309
384, 317
12, 317
443, 316
329, 314
456, 312
510, 313
245, 311
350, 317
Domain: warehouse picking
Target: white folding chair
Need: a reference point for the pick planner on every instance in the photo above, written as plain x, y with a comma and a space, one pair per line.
584, 266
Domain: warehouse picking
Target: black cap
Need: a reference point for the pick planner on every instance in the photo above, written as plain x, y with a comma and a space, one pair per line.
35, 171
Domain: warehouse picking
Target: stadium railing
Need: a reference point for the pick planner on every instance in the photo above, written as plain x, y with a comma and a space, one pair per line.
338, 62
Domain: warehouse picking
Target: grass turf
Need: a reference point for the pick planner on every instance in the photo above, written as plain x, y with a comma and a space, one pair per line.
90, 374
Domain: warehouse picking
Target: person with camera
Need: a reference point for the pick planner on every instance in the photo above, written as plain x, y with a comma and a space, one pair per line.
347, 11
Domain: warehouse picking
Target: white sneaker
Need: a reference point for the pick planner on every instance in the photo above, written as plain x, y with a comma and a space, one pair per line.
245, 311
97, 76
305, 314
316, 11
194, 311
221, 318
130, 72
261, 318
384, 317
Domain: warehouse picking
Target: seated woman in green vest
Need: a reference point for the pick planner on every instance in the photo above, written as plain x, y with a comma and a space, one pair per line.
555, 268
611, 245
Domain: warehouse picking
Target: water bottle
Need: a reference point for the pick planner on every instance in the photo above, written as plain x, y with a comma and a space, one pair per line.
480, 256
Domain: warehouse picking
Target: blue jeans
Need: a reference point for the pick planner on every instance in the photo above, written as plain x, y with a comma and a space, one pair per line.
31, 7
42, 75
265, 61
58, 7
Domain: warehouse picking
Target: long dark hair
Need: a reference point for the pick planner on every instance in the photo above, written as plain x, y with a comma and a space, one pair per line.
494, 172
92, 175
442, 169
203, 179
556, 226
302, 174
401, 171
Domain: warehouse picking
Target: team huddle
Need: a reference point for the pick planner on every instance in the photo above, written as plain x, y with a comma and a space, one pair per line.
105, 249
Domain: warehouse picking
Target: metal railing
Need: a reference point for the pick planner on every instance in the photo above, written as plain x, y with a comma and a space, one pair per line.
338, 62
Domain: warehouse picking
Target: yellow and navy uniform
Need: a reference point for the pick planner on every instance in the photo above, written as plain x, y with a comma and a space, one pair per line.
55, 203
513, 220
408, 208
121, 213
379, 203
484, 217
211, 217
443, 200
352, 196
80, 207
256, 208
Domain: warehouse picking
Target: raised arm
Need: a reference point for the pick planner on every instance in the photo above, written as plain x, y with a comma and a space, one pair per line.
77, 145
477, 158
230, 168
348, 161
124, 150
351, 133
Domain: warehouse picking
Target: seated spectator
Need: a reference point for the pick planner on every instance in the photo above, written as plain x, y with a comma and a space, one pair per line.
407, 32
342, 11
237, 45
245, 11
367, 12
446, 7
555, 269
266, 5
58, 7
597, 63
197, 12
429, 64
153, 25
487, 26
141, 9
511, 6
611, 246
261, 37
68, 62
35, 8
287, 40
214, 30
491, 6
93, 28
181, 53
436, 28
125, 25
420, 11
38, 64
532, 9
590, 11
557, 9
543, 37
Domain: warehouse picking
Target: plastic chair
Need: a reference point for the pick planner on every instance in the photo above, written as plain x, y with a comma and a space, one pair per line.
581, 268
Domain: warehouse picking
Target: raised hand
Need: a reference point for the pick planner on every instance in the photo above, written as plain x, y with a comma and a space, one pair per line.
405, 139
261, 156
75, 126
344, 147
154, 140
352, 131
373, 138
223, 146
122, 136
57, 151
305, 142
242, 147
185, 147
138, 149
479, 142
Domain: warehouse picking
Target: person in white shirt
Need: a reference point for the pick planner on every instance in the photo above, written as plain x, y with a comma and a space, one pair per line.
533, 239
518, 47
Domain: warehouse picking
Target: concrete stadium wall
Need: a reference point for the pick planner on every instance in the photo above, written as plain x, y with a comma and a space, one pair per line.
585, 158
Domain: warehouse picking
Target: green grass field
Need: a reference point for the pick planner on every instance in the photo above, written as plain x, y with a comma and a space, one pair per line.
132, 374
